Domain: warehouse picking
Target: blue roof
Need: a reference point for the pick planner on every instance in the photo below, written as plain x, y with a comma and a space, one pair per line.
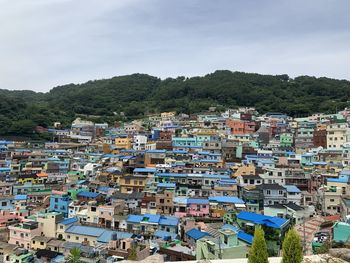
88, 194
197, 201
196, 234
166, 185
107, 236
145, 170
20, 197
266, 161
180, 199
103, 235
103, 189
156, 151
156, 219
231, 227
226, 199
149, 218
68, 221
319, 163
169, 221
165, 235
227, 181
53, 159
134, 218
171, 175
6, 142
292, 189
240, 233
85, 230
203, 153
213, 176
245, 237
270, 221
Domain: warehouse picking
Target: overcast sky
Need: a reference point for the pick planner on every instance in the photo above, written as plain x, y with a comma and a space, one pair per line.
45, 43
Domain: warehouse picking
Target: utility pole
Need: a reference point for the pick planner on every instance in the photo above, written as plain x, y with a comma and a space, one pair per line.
220, 256
304, 241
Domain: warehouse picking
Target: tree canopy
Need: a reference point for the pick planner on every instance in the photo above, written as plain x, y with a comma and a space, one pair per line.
139, 94
258, 252
292, 248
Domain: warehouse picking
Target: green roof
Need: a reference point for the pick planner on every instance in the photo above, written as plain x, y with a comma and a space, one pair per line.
341, 232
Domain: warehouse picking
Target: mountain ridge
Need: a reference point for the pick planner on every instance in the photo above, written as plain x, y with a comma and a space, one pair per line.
138, 94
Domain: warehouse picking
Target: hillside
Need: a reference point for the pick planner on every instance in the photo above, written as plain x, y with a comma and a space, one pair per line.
139, 94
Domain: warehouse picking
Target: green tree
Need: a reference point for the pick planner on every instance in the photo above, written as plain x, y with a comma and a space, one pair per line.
292, 248
75, 255
258, 252
133, 253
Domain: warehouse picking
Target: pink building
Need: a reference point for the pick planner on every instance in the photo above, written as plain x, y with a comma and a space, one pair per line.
197, 207
11, 217
22, 234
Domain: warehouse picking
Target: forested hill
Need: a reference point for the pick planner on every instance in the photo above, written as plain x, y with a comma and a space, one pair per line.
139, 94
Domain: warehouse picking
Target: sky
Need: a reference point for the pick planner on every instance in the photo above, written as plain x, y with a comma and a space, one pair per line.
46, 43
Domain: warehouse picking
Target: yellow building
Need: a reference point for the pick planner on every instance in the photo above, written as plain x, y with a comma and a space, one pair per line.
48, 222
123, 143
132, 183
40, 242
168, 115
244, 170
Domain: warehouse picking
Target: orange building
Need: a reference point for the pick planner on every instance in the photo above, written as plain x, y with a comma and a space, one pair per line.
240, 126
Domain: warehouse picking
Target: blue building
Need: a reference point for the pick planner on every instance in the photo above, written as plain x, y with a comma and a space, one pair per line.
59, 202
6, 203
149, 223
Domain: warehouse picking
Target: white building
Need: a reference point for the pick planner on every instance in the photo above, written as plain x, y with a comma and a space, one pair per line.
337, 135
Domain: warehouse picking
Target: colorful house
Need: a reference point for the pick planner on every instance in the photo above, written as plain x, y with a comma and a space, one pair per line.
197, 207
59, 202
22, 234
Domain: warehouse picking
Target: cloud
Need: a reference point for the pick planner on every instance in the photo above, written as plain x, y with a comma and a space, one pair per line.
44, 43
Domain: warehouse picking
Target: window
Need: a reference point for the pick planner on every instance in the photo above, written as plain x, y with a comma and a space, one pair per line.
268, 192
68, 237
3, 203
76, 238
280, 192
225, 239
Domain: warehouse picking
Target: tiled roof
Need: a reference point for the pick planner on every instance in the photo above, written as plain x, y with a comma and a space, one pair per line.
68, 221
274, 222
196, 234
226, 199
